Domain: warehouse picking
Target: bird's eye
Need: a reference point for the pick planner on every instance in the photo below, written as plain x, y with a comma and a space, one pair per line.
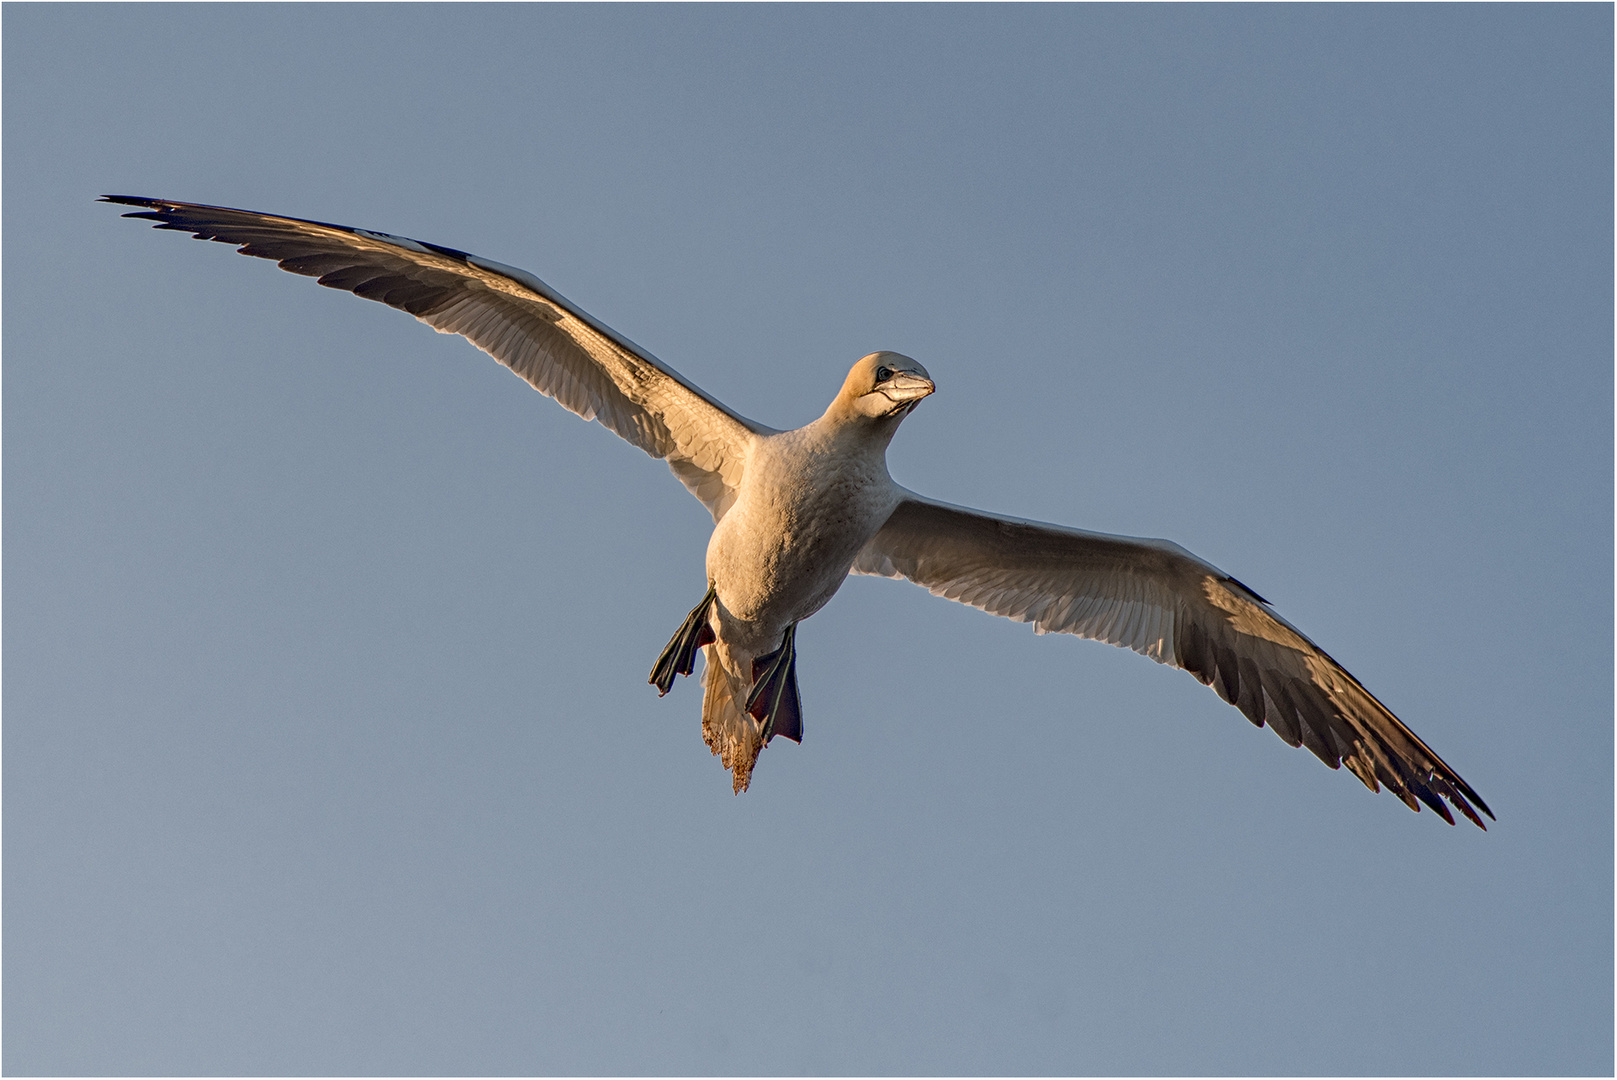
883, 374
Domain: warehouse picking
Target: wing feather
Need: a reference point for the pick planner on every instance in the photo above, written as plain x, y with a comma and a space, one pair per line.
509, 314
1156, 598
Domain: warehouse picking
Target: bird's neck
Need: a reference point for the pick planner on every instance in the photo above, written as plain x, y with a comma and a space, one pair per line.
846, 431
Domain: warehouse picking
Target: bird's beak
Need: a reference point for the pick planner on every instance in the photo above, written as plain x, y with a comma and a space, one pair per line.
906, 387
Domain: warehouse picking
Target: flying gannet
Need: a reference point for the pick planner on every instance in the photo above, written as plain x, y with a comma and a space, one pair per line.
795, 512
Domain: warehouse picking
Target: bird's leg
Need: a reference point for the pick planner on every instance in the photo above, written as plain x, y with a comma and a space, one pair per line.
774, 702
679, 657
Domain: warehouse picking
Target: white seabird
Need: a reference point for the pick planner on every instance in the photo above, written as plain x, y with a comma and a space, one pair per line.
796, 511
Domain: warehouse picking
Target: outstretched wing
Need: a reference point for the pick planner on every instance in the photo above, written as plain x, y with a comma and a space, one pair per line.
1158, 599
512, 316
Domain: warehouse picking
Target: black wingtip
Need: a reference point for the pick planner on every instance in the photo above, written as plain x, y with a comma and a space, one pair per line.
1249, 590
1430, 798
151, 209
1470, 815
1460, 794
130, 200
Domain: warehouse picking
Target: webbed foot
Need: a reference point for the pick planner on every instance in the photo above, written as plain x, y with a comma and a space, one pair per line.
679, 656
774, 701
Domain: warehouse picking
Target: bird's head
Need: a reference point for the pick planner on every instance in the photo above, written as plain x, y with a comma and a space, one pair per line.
883, 386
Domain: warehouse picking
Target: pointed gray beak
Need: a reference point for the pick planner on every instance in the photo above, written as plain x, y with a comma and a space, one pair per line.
904, 387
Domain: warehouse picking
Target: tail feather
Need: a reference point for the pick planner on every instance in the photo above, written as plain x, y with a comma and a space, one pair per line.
729, 732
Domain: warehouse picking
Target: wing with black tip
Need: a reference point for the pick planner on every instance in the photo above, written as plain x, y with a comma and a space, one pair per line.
509, 314
1158, 599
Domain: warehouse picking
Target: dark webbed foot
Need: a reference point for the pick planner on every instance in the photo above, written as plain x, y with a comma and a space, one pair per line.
679, 656
774, 702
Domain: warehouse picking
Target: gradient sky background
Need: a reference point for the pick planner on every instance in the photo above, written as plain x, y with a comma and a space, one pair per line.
328, 746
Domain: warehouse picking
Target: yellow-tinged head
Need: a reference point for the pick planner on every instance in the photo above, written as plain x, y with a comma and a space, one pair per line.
883, 385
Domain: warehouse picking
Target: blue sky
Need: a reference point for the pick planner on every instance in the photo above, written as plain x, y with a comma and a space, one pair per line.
327, 741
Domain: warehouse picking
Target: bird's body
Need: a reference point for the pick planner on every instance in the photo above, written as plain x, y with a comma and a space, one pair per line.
809, 501
796, 511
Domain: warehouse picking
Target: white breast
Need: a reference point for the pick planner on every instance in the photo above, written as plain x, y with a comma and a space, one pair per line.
806, 506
